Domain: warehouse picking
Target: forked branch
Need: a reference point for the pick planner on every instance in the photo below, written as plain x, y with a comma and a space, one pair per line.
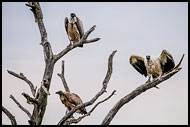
21, 76
104, 86
82, 41
73, 120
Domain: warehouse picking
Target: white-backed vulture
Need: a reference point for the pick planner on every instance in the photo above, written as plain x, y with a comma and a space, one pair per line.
71, 100
74, 28
150, 66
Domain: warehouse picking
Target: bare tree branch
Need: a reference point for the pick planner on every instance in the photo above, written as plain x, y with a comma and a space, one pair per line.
113, 93
36, 9
21, 76
137, 92
20, 106
82, 41
43, 92
179, 62
50, 60
73, 120
29, 99
104, 86
62, 76
10, 116
91, 40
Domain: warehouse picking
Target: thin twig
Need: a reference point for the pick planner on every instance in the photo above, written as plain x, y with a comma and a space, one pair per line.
179, 62
91, 40
20, 106
62, 76
9, 115
102, 102
104, 86
21, 76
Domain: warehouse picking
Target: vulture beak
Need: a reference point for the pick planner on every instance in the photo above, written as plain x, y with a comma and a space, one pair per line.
72, 17
58, 92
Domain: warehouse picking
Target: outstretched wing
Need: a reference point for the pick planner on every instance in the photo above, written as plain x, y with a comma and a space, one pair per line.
166, 61
66, 21
80, 27
138, 63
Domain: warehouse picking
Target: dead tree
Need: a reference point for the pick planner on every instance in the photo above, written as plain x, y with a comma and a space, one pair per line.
39, 99
40, 95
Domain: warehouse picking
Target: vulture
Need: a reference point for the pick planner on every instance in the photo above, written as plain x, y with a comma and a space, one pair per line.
153, 67
74, 28
71, 100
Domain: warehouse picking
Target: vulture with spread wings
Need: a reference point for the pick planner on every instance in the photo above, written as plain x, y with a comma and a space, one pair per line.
74, 28
154, 67
71, 100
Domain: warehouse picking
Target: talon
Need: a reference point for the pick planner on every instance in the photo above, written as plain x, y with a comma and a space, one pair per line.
148, 81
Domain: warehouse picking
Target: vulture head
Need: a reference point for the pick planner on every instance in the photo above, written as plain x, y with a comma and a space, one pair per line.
73, 15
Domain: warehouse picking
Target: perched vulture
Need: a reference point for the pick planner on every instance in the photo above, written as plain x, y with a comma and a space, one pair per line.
74, 28
155, 67
71, 100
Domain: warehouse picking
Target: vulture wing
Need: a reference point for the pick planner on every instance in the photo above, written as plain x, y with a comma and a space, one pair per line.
66, 21
138, 63
80, 27
75, 99
166, 61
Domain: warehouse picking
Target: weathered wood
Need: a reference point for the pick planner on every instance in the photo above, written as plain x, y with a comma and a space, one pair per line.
20, 106
10, 116
103, 89
50, 60
62, 76
21, 76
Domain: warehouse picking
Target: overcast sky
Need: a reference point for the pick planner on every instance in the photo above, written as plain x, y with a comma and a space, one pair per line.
130, 28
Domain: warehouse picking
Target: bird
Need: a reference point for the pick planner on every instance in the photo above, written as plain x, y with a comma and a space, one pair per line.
154, 67
74, 28
71, 100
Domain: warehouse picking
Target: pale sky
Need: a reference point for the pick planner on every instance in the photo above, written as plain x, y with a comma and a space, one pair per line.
130, 28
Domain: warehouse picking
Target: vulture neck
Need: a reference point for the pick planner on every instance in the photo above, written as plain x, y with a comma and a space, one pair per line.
72, 20
149, 62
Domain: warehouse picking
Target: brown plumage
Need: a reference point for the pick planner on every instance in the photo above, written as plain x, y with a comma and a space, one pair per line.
71, 100
74, 28
154, 67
